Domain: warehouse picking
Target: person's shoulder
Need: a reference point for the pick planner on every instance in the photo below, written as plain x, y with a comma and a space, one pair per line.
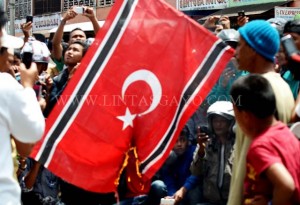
273, 77
6, 76
192, 148
274, 135
61, 75
281, 129
281, 89
7, 82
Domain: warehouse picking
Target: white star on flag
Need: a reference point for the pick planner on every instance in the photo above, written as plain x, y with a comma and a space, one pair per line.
127, 119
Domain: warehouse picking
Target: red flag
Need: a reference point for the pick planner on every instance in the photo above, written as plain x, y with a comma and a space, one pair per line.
146, 73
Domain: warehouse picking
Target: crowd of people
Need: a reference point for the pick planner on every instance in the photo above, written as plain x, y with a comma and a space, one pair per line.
236, 149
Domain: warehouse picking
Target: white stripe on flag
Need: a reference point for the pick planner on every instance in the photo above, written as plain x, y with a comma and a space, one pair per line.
182, 111
73, 96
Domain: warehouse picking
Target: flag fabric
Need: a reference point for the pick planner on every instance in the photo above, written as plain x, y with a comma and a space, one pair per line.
146, 73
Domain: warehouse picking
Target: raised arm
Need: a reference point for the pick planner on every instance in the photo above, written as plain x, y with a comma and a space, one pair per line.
25, 118
89, 12
199, 154
26, 28
58, 35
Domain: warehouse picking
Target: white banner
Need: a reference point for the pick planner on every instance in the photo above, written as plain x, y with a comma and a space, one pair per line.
286, 13
40, 23
187, 5
234, 3
46, 22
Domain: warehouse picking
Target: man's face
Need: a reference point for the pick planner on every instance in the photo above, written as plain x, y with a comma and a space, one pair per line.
281, 58
16, 64
296, 38
244, 55
243, 119
77, 35
181, 145
6, 60
17, 61
73, 54
220, 125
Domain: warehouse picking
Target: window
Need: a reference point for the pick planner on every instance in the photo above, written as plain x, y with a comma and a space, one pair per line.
103, 3
69, 3
22, 8
46, 6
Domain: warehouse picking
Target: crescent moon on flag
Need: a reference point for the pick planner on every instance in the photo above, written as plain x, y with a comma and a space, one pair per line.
151, 80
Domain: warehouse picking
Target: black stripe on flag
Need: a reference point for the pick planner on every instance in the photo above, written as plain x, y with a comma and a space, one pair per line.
187, 94
89, 78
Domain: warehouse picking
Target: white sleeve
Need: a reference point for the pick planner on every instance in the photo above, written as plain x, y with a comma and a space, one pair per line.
25, 119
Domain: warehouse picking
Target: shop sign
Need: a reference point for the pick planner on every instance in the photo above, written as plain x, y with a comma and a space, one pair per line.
286, 13
40, 23
187, 5
233, 3
46, 22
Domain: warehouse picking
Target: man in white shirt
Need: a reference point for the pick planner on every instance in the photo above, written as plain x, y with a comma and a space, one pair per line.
20, 116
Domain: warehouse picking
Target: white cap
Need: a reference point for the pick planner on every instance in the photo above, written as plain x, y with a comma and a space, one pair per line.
40, 51
9, 41
223, 108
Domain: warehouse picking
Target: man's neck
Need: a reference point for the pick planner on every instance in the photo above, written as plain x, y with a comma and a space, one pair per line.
223, 138
70, 67
261, 125
263, 66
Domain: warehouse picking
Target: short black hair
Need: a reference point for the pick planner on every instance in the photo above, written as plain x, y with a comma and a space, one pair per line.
76, 29
3, 50
3, 18
292, 27
254, 93
185, 132
83, 44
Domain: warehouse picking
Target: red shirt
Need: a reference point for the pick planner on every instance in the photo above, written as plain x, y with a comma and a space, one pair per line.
276, 145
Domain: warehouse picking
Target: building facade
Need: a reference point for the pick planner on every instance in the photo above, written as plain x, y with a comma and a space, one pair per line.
47, 13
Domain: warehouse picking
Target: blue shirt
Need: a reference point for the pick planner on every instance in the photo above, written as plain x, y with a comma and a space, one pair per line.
178, 173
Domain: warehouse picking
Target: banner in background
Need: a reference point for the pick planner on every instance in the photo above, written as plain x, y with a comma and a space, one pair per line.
46, 22
233, 3
40, 23
287, 13
187, 5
